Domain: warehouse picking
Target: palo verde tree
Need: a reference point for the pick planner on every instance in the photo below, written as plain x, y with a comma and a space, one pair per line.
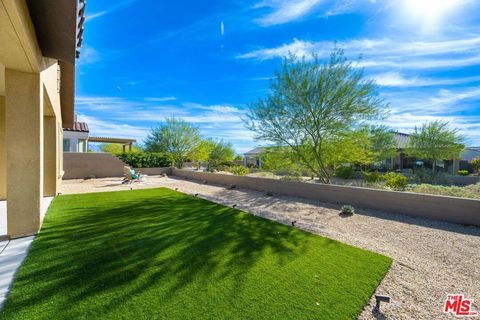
313, 107
221, 153
435, 141
174, 137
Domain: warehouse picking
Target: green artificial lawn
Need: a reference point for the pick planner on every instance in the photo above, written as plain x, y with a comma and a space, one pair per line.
161, 254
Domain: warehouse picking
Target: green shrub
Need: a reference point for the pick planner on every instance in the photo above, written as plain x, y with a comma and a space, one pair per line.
146, 159
372, 177
239, 170
348, 210
463, 172
345, 172
395, 181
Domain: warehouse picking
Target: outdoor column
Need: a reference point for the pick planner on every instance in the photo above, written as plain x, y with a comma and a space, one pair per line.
3, 154
50, 158
24, 145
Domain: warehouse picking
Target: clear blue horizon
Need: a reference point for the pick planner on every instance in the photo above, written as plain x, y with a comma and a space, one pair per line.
144, 60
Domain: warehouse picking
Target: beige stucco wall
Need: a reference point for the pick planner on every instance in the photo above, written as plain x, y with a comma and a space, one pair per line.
50, 175
3, 154
24, 144
456, 210
80, 165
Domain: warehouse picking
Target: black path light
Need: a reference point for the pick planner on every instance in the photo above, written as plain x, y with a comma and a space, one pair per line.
381, 298
293, 223
234, 206
196, 194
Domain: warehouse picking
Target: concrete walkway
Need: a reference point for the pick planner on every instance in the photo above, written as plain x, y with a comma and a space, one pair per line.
12, 254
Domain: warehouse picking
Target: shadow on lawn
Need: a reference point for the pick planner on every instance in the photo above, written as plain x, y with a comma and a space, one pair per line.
137, 241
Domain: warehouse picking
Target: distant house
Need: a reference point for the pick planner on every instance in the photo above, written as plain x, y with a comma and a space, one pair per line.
403, 161
400, 162
77, 138
253, 157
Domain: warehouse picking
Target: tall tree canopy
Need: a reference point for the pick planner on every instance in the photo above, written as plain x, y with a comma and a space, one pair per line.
314, 108
221, 152
435, 141
175, 137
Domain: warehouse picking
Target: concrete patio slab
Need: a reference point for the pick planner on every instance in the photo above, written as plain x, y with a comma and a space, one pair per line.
11, 258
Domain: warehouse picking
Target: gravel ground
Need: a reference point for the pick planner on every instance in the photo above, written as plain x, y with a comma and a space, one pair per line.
431, 259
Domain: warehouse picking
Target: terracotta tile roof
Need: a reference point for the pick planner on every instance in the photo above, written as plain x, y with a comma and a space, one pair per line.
79, 127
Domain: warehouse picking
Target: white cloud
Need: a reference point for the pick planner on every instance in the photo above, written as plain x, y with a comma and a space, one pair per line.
88, 55
384, 53
113, 129
395, 79
162, 99
298, 47
113, 116
286, 10
118, 5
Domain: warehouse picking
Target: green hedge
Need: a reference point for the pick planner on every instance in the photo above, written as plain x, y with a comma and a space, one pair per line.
146, 159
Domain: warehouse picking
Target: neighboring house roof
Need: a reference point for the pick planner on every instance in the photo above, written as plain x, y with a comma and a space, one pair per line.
401, 139
254, 152
78, 127
470, 153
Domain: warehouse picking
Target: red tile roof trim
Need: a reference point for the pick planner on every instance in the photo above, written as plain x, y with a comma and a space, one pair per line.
79, 127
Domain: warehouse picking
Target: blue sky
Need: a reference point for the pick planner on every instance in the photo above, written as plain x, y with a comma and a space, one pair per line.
204, 61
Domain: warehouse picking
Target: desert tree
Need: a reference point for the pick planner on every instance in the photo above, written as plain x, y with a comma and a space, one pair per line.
435, 141
222, 152
175, 137
313, 107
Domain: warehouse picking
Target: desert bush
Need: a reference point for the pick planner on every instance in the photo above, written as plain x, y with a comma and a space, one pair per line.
345, 172
348, 210
463, 172
395, 181
238, 170
146, 159
372, 177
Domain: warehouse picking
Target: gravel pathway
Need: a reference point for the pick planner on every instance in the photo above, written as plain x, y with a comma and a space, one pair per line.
431, 259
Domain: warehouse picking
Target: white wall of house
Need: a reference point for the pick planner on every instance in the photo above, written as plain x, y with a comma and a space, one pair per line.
74, 141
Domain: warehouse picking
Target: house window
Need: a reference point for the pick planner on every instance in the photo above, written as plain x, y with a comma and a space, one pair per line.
66, 145
82, 145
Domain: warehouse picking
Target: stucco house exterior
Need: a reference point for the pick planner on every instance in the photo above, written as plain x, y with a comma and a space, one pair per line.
75, 139
39, 43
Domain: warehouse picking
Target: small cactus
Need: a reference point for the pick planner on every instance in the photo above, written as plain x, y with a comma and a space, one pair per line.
347, 210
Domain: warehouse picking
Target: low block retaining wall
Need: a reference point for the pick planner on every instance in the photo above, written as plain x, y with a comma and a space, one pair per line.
450, 209
81, 165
